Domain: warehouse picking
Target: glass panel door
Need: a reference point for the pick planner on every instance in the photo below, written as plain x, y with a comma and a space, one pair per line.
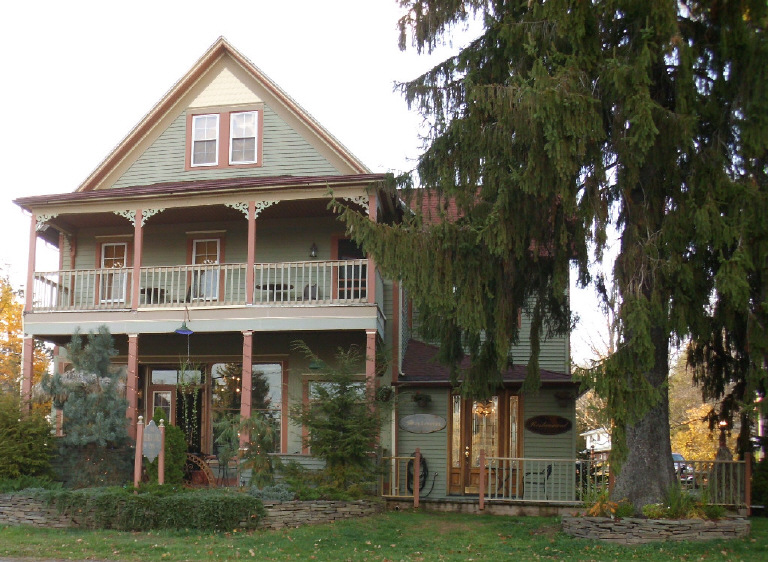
205, 279
113, 283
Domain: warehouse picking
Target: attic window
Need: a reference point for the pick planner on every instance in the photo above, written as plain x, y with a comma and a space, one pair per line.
205, 140
242, 137
224, 137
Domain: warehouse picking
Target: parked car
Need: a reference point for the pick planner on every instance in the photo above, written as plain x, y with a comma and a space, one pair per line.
683, 470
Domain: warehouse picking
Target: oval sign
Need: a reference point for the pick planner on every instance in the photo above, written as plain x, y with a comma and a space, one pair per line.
151, 446
548, 425
422, 423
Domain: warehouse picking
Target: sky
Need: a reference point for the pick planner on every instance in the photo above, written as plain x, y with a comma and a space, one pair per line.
78, 76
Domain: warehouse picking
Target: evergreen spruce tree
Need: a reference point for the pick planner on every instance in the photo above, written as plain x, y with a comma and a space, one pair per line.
561, 120
95, 447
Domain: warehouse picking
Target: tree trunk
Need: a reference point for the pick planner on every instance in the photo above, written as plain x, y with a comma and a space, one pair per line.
647, 472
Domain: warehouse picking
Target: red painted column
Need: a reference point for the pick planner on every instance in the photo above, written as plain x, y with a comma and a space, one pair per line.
138, 242
131, 384
27, 367
138, 459
245, 387
249, 273
370, 360
372, 211
30, 288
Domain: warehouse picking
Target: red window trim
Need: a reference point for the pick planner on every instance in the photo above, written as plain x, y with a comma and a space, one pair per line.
224, 119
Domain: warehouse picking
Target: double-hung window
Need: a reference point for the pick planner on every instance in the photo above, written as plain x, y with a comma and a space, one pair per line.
205, 140
243, 128
224, 138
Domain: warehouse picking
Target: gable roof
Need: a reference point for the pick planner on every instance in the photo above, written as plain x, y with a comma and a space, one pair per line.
420, 366
169, 102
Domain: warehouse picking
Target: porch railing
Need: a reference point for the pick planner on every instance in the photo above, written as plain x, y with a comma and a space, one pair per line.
296, 283
572, 481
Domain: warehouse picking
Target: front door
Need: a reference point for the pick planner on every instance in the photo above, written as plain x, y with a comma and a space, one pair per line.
491, 426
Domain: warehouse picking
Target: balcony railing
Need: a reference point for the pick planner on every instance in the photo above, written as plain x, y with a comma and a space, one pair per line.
287, 283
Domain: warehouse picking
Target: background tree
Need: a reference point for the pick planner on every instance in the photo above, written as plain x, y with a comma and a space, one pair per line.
559, 119
26, 445
11, 341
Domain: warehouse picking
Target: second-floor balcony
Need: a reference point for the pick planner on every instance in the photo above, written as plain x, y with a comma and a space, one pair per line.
305, 283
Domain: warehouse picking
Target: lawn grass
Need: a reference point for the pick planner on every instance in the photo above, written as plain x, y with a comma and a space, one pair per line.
391, 536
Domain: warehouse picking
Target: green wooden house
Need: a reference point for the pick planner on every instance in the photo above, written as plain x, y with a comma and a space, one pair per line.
205, 239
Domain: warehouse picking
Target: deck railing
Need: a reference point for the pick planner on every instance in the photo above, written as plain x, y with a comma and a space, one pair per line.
573, 481
296, 283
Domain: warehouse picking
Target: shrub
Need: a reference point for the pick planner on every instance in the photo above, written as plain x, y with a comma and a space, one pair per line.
9, 485
760, 484
277, 492
25, 440
161, 507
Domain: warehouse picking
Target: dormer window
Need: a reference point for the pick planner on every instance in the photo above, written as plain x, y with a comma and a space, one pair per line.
224, 139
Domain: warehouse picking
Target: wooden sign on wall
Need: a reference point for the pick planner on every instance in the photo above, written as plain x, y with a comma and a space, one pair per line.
548, 425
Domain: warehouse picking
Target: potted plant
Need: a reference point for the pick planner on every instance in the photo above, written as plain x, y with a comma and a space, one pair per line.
422, 399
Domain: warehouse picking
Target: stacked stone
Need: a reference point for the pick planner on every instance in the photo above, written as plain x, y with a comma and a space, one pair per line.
297, 513
630, 530
23, 509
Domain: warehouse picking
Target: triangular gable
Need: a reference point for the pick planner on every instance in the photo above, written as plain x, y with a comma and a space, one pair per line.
222, 76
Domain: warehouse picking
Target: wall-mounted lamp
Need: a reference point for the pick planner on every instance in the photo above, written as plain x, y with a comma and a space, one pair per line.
184, 330
313, 250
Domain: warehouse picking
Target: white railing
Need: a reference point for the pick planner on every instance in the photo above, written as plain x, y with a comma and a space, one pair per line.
82, 289
572, 481
311, 282
295, 283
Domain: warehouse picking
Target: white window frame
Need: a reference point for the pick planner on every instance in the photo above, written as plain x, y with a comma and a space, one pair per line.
206, 283
255, 137
194, 140
115, 284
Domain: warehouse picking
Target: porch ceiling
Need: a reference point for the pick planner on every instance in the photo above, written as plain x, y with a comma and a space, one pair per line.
72, 222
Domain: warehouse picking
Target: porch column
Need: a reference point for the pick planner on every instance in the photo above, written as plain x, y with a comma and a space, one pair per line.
371, 281
249, 273
131, 385
245, 389
30, 288
370, 360
138, 239
27, 367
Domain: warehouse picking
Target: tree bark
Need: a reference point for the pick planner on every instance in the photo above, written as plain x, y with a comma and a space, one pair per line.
648, 472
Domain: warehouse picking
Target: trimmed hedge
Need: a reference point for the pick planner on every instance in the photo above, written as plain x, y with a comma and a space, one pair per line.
157, 508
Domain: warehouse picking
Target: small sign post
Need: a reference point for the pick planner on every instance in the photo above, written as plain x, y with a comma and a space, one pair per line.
154, 447
139, 452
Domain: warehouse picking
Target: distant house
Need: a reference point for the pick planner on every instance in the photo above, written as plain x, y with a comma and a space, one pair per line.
205, 239
598, 443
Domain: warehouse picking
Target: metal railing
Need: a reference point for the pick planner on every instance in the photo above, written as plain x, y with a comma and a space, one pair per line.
295, 283
723, 482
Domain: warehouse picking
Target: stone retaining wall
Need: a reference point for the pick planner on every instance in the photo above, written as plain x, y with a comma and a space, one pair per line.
630, 530
23, 509
296, 514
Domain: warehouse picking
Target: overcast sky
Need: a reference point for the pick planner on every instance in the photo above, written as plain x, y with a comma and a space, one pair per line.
78, 75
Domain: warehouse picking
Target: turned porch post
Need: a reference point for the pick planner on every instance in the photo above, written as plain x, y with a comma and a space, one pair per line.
245, 389
131, 385
138, 240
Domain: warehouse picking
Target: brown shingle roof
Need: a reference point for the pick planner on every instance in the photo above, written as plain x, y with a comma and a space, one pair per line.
420, 366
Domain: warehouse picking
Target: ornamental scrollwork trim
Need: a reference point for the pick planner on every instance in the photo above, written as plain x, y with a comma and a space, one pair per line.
261, 205
147, 213
242, 207
361, 200
40, 221
130, 215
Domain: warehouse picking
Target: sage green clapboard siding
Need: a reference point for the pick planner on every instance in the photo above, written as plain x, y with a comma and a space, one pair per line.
285, 152
387, 307
561, 446
433, 446
553, 354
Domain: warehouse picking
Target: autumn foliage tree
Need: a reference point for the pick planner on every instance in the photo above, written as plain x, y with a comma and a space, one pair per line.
11, 340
